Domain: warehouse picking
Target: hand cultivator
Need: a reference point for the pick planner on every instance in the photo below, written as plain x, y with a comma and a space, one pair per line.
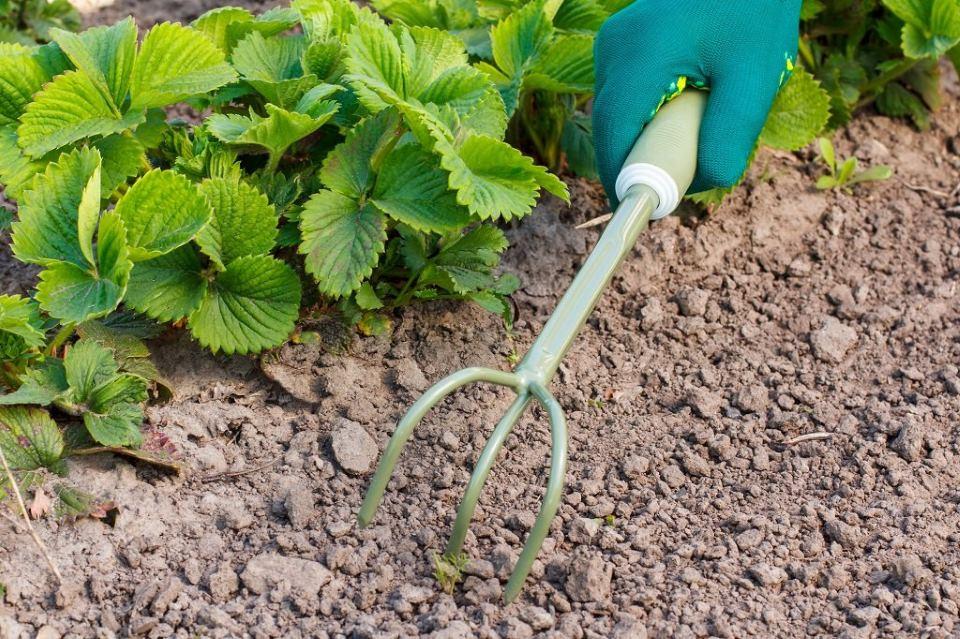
657, 173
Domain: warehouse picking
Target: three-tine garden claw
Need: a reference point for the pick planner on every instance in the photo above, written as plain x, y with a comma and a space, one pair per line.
657, 172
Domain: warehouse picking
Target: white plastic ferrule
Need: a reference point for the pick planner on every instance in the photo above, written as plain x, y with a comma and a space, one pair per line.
666, 188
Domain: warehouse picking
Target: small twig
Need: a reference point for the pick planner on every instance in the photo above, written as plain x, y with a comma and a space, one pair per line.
239, 473
925, 189
597, 221
26, 519
809, 437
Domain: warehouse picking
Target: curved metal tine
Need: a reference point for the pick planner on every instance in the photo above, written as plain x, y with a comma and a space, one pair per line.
409, 421
484, 463
551, 499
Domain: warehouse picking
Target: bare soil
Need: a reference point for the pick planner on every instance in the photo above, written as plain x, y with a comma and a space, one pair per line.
764, 441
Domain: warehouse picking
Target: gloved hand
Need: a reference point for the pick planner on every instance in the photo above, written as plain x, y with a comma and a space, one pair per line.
740, 50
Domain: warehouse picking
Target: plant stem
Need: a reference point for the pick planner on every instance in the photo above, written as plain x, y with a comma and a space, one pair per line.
873, 88
65, 332
26, 519
274, 161
403, 297
74, 410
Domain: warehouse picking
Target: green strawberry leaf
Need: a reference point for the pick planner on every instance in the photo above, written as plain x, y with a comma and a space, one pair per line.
520, 38
19, 316
493, 179
104, 54
221, 24
175, 63
87, 365
162, 211
412, 189
115, 425
251, 306
47, 230
412, 12
488, 116
580, 16
462, 88
466, 265
324, 59
21, 77
30, 439
375, 66
69, 109
932, 26
342, 241
565, 66
16, 169
799, 113
72, 293
429, 54
577, 143
897, 101
347, 169
492, 303
167, 288
273, 67
328, 19
88, 214
122, 158
122, 388
367, 298
243, 223
276, 132
41, 386
150, 133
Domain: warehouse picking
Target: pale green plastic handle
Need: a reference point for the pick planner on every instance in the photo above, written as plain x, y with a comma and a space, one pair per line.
669, 142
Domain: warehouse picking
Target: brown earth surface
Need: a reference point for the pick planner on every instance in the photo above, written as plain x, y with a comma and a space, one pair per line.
694, 505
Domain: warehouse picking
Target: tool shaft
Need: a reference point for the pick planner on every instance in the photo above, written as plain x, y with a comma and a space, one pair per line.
631, 218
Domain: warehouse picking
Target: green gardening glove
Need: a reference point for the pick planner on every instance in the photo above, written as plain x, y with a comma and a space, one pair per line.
741, 50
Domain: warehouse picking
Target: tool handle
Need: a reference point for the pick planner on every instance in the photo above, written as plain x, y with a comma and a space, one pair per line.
665, 155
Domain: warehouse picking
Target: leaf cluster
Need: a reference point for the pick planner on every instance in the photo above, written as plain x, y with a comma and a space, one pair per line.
97, 388
539, 54
363, 160
30, 21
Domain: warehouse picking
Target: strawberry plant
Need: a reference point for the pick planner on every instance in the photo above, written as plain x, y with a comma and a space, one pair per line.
407, 136
371, 160
97, 387
88, 383
539, 54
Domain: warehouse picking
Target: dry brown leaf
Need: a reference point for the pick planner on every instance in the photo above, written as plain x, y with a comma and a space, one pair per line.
41, 504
